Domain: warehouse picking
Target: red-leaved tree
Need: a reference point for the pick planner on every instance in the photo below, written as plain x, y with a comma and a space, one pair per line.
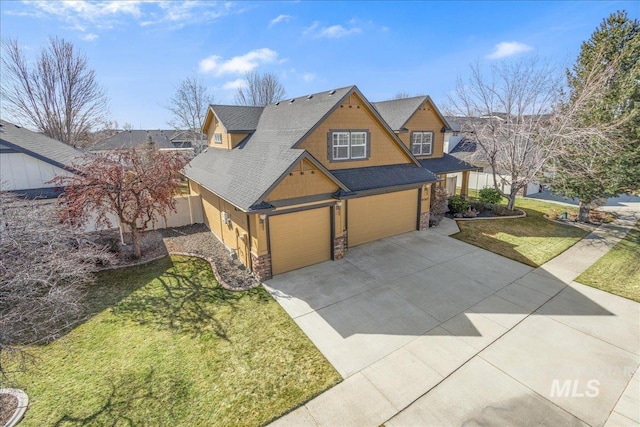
136, 185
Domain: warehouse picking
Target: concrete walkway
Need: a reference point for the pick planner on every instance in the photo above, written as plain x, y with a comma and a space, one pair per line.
539, 349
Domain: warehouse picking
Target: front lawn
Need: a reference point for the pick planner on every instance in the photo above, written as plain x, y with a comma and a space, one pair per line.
618, 271
532, 240
166, 345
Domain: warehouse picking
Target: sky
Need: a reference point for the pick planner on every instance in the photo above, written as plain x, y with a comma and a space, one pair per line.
142, 50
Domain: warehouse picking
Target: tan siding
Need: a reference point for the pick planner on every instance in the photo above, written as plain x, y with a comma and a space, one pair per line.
425, 119
236, 138
353, 115
304, 180
374, 217
425, 202
216, 127
299, 239
259, 245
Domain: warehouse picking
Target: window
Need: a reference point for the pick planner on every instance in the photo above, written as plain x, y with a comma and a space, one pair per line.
217, 138
422, 143
349, 145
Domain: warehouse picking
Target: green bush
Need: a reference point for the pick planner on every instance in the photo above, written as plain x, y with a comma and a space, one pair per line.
457, 204
489, 196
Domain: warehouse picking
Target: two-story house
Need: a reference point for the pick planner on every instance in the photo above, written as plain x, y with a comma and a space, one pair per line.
300, 181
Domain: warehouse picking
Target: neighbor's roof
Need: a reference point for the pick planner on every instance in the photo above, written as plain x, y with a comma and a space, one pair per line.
163, 138
360, 179
447, 164
237, 118
38, 146
246, 174
397, 112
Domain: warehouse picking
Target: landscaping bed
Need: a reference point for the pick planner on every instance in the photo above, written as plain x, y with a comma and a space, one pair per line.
164, 344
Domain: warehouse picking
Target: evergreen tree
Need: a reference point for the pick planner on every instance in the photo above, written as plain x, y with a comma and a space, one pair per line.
603, 157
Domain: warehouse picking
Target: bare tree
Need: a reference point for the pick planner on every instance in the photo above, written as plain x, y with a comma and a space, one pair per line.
401, 95
189, 107
261, 90
57, 94
510, 110
44, 267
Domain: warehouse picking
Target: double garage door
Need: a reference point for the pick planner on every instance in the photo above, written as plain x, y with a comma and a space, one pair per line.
375, 217
299, 239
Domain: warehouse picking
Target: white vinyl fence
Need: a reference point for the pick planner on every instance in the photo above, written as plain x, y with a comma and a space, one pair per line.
480, 180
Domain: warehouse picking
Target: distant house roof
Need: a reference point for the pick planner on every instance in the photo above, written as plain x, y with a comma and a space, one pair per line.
237, 118
397, 112
41, 147
361, 179
447, 164
162, 139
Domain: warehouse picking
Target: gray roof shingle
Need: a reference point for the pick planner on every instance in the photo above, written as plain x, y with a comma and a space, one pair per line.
39, 146
447, 164
360, 179
238, 118
398, 111
246, 173
162, 138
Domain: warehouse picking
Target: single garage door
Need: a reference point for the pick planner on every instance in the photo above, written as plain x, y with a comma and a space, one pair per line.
374, 217
299, 239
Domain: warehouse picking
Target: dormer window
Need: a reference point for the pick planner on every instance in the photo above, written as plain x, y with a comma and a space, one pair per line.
217, 138
422, 143
348, 145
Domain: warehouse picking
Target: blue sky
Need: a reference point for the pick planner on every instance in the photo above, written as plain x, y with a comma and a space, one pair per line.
142, 50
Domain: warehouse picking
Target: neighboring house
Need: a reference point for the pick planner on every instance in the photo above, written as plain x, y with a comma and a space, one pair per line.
300, 181
29, 160
422, 128
168, 139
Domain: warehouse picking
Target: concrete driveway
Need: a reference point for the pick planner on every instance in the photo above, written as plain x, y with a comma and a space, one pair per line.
418, 321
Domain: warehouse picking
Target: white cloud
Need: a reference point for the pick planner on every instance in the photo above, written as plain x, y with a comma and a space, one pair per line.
89, 37
506, 49
308, 77
238, 64
333, 31
235, 84
279, 19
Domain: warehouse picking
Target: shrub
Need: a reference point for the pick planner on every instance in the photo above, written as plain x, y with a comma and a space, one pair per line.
489, 195
457, 204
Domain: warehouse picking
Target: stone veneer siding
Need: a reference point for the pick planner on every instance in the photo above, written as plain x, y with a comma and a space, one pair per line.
261, 266
424, 220
340, 246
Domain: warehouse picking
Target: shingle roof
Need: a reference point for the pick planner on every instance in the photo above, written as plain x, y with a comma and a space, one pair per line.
398, 111
37, 145
134, 138
246, 173
447, 164
360, 179
236, 118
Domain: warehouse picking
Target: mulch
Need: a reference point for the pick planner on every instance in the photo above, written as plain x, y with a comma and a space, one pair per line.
193, 240
8, 405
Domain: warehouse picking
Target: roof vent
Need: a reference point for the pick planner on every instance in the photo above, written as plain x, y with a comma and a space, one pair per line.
292, 99
278, 103
332, 92
310, 96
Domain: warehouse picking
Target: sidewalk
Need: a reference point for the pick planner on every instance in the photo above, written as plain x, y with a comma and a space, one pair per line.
412, 388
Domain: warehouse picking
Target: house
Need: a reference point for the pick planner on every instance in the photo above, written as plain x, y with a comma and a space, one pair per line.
29, 160
300, 181
421, 127
167, 139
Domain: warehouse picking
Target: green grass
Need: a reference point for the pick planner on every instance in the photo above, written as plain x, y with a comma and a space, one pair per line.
532, 240
618, 271
166, 345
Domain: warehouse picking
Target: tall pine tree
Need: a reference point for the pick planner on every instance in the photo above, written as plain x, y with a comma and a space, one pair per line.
603, 157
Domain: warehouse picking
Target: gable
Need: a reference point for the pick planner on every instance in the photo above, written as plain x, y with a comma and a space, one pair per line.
353, 113
305, 179
425, 118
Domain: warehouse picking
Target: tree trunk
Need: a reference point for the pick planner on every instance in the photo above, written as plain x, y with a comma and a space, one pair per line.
583, 213
135, 239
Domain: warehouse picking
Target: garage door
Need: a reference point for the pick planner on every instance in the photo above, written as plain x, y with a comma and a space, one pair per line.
299, 239
374, 217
